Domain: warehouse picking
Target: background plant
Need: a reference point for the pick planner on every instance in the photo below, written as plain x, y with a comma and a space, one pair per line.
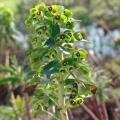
13, 75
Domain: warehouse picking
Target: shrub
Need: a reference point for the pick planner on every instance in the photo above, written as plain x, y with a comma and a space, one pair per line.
61, 70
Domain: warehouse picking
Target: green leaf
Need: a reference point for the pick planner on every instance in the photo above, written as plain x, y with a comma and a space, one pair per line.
78, 35
68, 13
6, 69
70, 25
39, 92
28, 21
11, 79
106, 83
51, 67
38, 54
55, 30
84, 69
50, 42
83, 53
57, 8
64, 18
40, 7
70, 61
84, 89
69, 81
33, 11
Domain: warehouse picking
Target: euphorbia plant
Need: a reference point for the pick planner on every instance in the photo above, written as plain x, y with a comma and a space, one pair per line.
61, 69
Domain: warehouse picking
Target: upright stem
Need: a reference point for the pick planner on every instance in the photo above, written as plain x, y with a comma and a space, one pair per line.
105, 110
28, 112
61, 101
61, 96
70, 115
89, 112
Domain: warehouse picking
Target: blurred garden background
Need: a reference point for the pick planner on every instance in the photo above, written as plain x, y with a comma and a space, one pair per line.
100, 26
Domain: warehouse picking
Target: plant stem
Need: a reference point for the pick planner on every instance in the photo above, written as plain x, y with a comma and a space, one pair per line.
50, 114
28, 112
105, 110
61, 95
61, 100
89, 112
70, 115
